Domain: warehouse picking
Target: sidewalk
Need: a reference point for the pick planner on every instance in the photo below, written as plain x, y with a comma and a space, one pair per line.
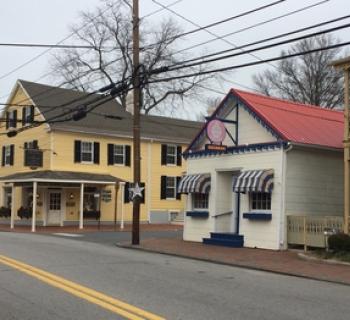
283, 262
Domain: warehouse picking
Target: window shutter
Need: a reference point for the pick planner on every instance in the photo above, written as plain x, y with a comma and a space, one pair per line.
25, 146
142, 185
178, 195
126, 193
31, 114
3, 156
110, 154
35, 144
163, 187
77, 151
7, 120
15, 118
179, 155
23, 116
12, 154
164, 150
127, 155
96, 152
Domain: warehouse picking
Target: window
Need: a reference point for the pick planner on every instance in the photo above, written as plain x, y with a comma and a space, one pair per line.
200, 200
7, 156
171, 155
31, 145
87, 152
260, 201
170, 187
118, 154
27, 115
91, 202
7, 197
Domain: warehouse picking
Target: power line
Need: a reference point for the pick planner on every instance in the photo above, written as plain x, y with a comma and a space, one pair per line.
41, 45
208, 31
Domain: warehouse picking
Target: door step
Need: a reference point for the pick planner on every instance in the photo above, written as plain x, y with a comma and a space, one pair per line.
225, 239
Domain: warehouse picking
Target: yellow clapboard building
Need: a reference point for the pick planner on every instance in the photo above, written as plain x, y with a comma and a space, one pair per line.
57, 171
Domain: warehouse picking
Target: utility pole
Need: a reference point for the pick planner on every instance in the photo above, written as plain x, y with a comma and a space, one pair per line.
136, 123
344, 64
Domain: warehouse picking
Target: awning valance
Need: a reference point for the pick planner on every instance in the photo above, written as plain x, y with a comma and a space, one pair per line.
254, 181
194, 183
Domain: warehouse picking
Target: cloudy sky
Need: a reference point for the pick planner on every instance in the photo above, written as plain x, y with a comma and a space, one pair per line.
43, 21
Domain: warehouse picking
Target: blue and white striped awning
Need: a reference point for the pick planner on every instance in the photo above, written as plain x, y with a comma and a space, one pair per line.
254, 181
194, 183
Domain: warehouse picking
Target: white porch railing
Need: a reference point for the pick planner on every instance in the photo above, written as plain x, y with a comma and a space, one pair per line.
309, 230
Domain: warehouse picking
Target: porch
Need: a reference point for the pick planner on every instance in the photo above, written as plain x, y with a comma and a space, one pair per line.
57, 197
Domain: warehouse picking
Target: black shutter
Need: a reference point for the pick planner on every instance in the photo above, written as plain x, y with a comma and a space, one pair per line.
96, 152
77, 151
7, 120
12, 154
163, 187
31, 118
110, 154
164, 150
14, 118
127, 155
178, 155
23, 116
25, 146
3, 156
35, 144
142, 185
178, 195
126, 193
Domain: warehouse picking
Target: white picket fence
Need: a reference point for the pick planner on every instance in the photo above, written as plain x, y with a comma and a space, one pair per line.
310, 230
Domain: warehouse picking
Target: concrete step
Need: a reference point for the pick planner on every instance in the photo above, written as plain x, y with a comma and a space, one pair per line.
226, 235
224, 242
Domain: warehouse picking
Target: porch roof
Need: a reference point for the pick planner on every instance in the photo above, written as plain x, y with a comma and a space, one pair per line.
61, 177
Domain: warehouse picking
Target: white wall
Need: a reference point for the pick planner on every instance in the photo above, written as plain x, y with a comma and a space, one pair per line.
315, 182
262, 234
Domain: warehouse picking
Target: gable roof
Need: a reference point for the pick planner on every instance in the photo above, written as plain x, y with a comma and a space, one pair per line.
296, 122
48, 99
290, 121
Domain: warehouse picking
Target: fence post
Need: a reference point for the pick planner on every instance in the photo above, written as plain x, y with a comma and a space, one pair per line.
305, 245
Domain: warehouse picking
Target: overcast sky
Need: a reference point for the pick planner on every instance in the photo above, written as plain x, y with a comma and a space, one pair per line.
47, 21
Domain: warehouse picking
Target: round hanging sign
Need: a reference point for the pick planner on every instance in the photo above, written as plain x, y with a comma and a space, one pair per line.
216, 131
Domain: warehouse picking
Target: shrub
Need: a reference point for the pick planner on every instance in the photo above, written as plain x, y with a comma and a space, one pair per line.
339, 242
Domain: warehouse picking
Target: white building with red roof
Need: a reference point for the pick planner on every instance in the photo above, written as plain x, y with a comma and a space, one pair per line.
257, 161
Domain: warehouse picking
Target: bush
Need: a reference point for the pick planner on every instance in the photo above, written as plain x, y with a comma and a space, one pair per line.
339, 242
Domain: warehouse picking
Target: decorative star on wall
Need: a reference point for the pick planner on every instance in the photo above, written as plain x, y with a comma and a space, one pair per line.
136, 191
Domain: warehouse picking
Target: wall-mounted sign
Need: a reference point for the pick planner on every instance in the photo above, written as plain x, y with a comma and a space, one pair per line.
216, 131
106, 195
215, 147
33, 158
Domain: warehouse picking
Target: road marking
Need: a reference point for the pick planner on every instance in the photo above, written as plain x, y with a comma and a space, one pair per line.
73, 235
107, 302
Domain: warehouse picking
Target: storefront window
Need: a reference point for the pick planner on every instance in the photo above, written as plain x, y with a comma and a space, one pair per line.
200, 200
91, 202
8, 197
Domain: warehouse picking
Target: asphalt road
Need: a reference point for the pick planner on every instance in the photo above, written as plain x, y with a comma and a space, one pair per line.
171, 287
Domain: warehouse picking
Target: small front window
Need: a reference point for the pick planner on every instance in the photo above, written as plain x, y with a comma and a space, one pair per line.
90, 201
171, 154
119, 154
171, 187
200, 200
260, 201
7, 155
87, 151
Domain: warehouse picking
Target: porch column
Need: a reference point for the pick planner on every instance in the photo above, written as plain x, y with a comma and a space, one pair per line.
81, 212
35, 192
13, 208
122, 190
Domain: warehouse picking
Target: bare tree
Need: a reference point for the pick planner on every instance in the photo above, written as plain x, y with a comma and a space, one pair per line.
308, 78
109, 31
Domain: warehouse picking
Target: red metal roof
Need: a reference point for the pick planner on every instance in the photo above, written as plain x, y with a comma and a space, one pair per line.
297, 122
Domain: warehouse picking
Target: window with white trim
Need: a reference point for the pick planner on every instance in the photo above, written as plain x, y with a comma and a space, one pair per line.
87, 151
200, 200
260, 201
7, 156
171, 154
170, 187
118, 154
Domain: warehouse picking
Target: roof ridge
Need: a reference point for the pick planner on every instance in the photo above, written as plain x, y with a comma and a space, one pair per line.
288, 101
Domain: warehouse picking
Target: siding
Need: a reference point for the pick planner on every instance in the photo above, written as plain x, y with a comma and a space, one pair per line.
314, 184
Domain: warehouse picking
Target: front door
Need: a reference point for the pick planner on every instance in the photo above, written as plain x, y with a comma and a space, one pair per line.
54, 207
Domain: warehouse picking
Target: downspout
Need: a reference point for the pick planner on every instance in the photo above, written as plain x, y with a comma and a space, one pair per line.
238, 211
282, 231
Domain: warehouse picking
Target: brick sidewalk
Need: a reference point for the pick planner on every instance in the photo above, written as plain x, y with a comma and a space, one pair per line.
284, 262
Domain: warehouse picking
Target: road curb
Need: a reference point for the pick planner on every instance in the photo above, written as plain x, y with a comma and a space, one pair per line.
328, 261
291, 274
